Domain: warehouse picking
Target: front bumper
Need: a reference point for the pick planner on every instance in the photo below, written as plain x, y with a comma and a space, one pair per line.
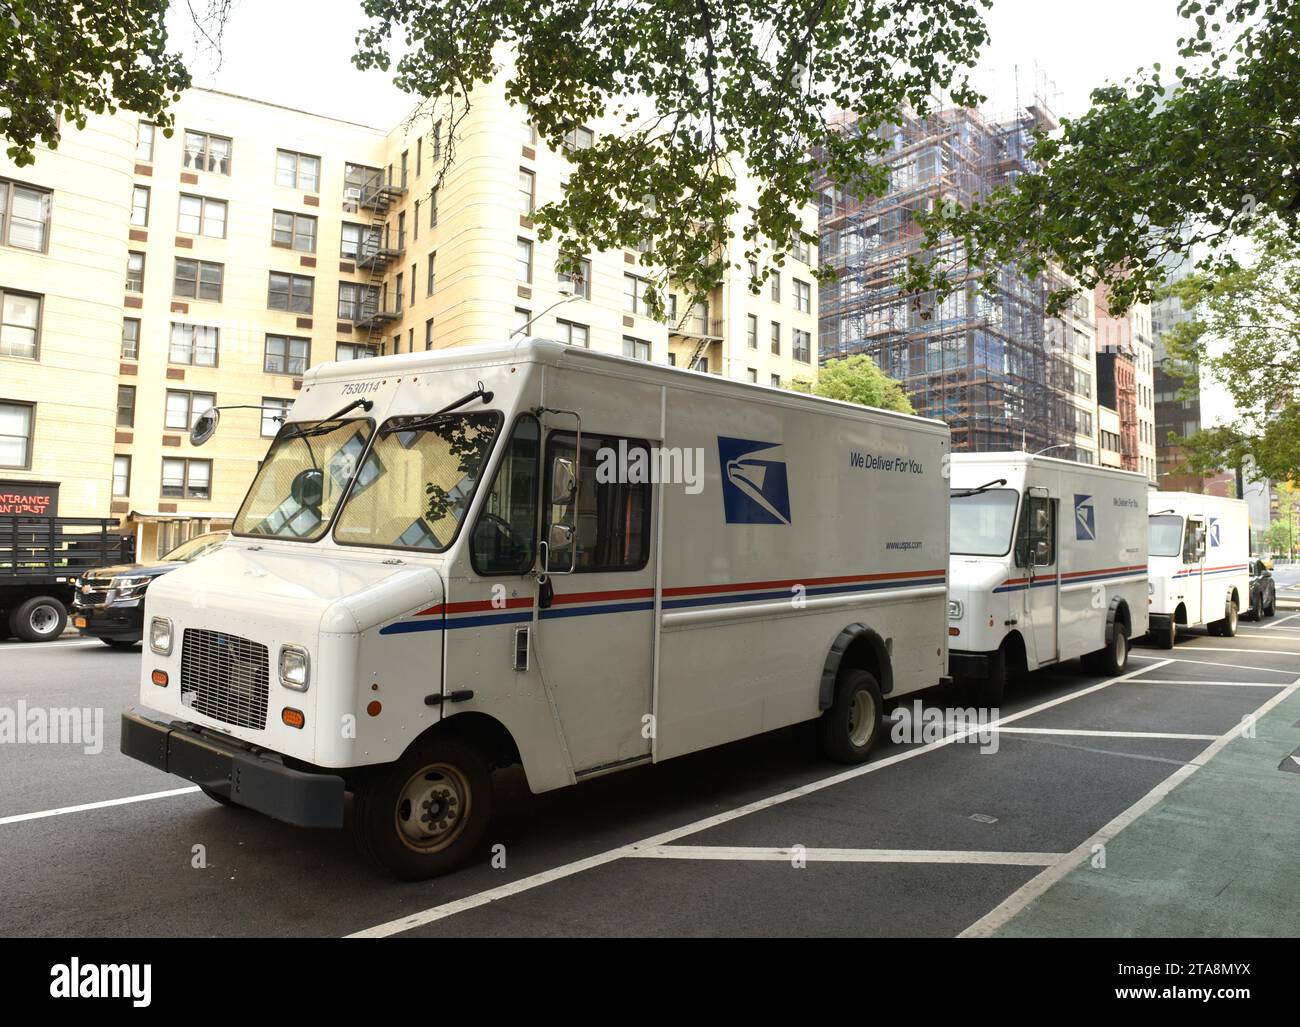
231, 769
1160, 621
964, 666
124, 621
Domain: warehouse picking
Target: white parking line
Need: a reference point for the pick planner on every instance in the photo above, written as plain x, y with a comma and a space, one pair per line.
1280, 620
69, 643
1210, 663
1105, 734
105, 804
779, 855
1215, 684
446, 909
1232, 649
1035, 887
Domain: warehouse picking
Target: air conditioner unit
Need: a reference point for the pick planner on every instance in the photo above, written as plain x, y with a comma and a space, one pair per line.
352, 194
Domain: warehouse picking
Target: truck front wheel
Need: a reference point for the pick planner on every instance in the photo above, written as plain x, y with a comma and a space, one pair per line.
39, 619
849, 729
1227, 627
425, 814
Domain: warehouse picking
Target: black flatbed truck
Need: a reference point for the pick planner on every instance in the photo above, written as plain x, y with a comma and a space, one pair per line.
40, 561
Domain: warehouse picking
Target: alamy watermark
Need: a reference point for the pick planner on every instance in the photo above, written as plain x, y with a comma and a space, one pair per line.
924, 725
42, 725
654, 465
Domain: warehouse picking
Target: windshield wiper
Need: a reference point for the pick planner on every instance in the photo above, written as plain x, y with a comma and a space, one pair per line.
327, 425
420, 423
964, 493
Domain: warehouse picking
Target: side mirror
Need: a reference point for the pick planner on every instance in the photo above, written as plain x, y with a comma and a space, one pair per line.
205, 426
308, 488
564, 482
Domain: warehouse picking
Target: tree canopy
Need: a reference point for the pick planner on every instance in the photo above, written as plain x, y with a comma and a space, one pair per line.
1160, 166
698, 90
61, 61
856, 379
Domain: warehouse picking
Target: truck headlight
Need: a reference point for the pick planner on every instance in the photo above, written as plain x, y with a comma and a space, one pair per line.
954, 609
160, 636
295, 667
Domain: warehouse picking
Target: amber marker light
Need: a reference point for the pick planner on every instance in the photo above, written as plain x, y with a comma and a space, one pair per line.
159, 677
954, 632
292, 717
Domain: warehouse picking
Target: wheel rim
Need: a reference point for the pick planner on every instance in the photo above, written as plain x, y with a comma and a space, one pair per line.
862, 715
44, 620
432, 808
1232, 616
1121, 649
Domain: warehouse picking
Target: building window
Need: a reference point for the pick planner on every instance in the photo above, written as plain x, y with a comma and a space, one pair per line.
528, 134
295, 231
776, 381
433, 207
428, 334
16, 434
121, 475
527, 191
751, 331
428, 289
398, 289
20, 320
274, 411
357, 302
634, 294
290, 292
638, 348
350, 246
297, 171
802, 297
205, 152
776, 338
776, 286
419, 157
198, 215
752, 374
406, 168
573, 333
353, 351
801, 251
144, 136
286, 355
130, 338
523, 260
580, 138
194, 344
359, 181
24, 216
581, 282
135, 272
183, 408
523, 318
801, 345
126, 406
198, 279
435, 140
186, 479
140, 206
415, 222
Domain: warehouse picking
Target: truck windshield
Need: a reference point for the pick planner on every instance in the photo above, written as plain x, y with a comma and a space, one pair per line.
417, 481
980, 524
302, 479
1164, 535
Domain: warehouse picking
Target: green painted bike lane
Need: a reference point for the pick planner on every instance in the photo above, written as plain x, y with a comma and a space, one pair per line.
1219, 856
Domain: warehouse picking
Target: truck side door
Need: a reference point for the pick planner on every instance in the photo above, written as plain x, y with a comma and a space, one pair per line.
1194, 563
1036, 552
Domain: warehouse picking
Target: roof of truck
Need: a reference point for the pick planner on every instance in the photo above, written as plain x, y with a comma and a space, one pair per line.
557, 354
1020, 456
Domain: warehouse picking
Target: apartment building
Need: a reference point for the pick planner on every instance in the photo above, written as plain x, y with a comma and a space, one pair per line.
1072, 371
1129, 337
145, 279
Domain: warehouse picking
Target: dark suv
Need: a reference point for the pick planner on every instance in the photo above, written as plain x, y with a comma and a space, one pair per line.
1263, 593
109, 601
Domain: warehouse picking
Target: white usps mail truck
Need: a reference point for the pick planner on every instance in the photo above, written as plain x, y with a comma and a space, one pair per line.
1199, 550
1048, 563
535, 554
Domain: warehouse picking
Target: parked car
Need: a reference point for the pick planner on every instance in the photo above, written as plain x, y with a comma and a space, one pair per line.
1263, 592
108, 603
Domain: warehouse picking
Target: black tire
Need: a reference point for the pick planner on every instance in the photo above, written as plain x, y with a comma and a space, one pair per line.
386, 820
850, 728
121, 643
1113, 660
1271, 608
1166, 638
990, 690
1227, 627
1256, 611
39, 619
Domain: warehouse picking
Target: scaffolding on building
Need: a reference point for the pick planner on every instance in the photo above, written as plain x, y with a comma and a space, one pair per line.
978, 361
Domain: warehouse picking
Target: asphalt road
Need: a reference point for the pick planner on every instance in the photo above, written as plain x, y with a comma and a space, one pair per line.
927, 839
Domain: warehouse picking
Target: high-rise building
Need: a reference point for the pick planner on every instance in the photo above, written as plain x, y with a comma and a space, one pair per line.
981, 362
1126, 356
145, 279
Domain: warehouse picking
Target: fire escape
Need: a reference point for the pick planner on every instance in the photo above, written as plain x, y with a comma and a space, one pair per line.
378, 195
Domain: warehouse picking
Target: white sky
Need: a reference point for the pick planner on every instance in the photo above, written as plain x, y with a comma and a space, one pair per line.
296, 53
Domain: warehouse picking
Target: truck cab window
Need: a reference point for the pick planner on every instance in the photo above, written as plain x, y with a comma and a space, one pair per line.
1036, 537
505, 535
612, 517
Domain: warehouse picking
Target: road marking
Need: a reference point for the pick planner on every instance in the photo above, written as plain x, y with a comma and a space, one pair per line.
446, 909
1038, 885
780, 855
1241, 652
1107, 734
1280, 620
19, 818
1216, 684
71, 643
1210, 663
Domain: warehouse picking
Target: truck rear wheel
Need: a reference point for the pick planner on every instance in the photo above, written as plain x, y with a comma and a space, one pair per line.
1227, 627
425, 814
990, 690
849, 729
1113, 660
39, 619
1166, 638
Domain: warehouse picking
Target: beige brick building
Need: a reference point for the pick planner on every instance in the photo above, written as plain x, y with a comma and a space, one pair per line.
144, 279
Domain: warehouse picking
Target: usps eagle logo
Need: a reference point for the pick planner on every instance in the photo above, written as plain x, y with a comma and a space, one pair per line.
755, 487
1214, 532
1085, 518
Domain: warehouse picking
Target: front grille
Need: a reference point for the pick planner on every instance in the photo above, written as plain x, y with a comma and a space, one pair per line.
93, 592
224, 677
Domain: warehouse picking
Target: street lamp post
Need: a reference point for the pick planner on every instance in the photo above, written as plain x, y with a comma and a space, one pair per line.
566, 290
